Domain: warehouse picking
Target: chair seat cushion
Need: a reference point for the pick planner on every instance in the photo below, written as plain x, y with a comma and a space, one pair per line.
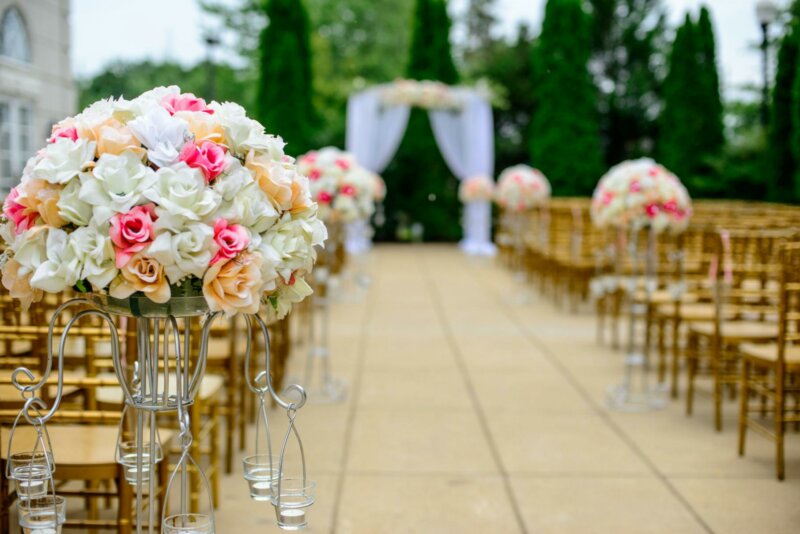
738, 330
696, 311
768, 352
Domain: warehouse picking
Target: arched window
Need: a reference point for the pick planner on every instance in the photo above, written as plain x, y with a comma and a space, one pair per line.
14, 40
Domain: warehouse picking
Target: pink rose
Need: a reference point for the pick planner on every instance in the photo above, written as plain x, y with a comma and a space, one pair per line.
131, 232
324, 197
608, 196
343, 164
69, 132
635, 186
348, 191
671, 206
208, 156
652, 210
309, 158
314, 175
23, 217
184, 102
231, 239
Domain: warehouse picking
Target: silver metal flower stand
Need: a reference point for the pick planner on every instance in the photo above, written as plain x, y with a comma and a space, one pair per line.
164, 377
637, 392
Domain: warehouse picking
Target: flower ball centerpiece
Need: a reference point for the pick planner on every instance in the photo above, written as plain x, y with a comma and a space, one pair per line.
641, 193
521, 188
162, 195
476, 189
343, 189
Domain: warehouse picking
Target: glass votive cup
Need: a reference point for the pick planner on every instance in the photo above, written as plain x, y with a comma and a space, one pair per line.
127, 450
188, 524
296, 494
261, 474
44, 515
32, 472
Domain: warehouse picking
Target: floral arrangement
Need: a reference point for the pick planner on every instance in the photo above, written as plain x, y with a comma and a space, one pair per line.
639, 193
343, 189
521, 188
476, 188
378, 188
162, 195
423, 94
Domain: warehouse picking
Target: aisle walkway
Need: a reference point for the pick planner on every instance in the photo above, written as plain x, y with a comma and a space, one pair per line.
469, 413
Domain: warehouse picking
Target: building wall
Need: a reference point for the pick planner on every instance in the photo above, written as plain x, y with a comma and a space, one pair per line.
46, 83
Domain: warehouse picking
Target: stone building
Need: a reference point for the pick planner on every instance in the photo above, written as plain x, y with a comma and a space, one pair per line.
36, 84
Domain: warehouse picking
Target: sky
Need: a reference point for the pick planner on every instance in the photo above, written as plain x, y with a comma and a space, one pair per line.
173, 29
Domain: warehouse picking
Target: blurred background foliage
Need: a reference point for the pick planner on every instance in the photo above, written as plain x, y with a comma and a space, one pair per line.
649, 90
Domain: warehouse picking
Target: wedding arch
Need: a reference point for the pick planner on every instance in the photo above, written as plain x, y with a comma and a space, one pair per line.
461, 120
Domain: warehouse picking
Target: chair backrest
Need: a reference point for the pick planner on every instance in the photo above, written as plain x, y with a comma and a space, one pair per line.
789, 303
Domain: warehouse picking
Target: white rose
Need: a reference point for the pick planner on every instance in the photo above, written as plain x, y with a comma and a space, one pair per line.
235, 179
94, 251
292, 240
243, 133
30, 248
162, 134
282, 300
181, 192
185, 253
71, 207
61, 269
250, 208
96, 113
63, 160
115, 185
126, 110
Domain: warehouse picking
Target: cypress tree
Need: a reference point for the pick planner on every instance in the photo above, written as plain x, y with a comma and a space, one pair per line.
285, 84
711, 137
421, 187
565, 139
691, 128
677, 120
783, 123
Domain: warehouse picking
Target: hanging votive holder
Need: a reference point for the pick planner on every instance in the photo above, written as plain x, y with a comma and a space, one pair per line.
188, 524
128, 459
261, 473
43, 515
291, 497
32, 473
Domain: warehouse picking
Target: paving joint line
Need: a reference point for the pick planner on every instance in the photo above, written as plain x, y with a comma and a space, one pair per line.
603, 414
355, 392
478, 408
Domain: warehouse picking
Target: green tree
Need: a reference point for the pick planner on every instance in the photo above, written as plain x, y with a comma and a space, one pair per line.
421, 188
565, 133
711, 137
783, 164
285, 83
627, 62
692, 135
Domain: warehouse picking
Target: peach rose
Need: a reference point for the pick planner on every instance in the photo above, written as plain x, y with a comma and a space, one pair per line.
301, 198
19, 284
43, 197
276, 185
203, 126
144, 274
234, 286
112, 137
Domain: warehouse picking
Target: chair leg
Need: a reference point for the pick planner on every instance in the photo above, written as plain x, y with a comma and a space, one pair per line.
662, 349
214, 452
676, 354
716, 368
125, 510
744, 403
691, 360
780, 402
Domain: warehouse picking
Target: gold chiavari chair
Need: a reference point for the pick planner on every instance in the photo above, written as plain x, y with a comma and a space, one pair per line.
745, 296
771, 371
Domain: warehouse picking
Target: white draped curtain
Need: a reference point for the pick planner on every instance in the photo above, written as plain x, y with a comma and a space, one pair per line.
464, 135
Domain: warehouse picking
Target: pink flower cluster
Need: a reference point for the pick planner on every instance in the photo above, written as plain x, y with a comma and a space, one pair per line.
521, 188
641, 193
